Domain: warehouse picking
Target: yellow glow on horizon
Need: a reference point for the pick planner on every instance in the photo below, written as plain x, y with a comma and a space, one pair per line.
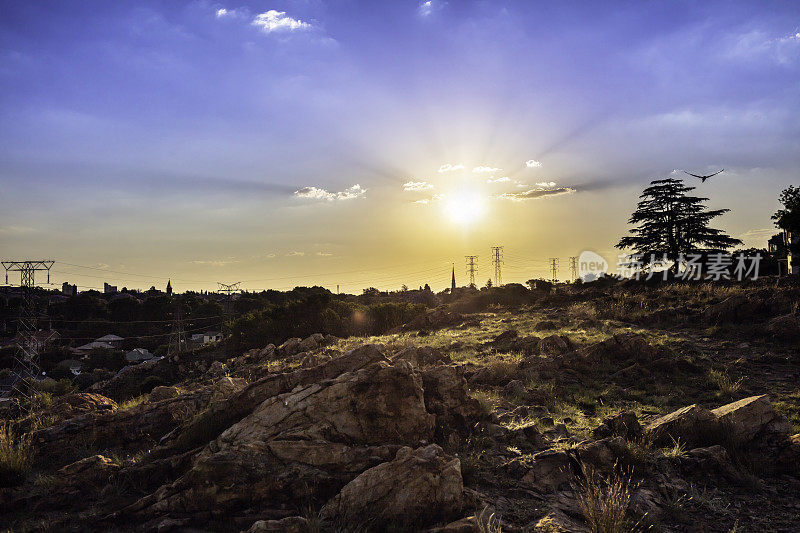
464, 207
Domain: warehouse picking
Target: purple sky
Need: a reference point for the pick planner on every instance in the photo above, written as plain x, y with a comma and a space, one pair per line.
171, 138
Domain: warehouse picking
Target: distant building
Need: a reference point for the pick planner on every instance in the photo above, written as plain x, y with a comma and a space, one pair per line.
207, 338
138, 355
114, 340
73, 365
69, 290
109, 289
88, 347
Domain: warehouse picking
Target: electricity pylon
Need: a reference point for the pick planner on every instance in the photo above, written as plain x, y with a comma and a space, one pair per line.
472, 267
27, 269
554, 268
497, 261
573, 267
228, 289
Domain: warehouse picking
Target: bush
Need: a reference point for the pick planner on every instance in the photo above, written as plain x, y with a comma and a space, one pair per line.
16, 457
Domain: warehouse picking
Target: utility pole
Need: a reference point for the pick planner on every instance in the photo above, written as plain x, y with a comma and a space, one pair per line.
228, 289
554, 268
26, 357
573, 267
497, 261
472, 267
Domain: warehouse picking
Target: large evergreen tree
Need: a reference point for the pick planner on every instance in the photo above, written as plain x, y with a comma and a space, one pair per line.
670, 222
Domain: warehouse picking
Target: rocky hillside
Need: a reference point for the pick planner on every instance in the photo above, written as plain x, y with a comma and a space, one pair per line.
556, 417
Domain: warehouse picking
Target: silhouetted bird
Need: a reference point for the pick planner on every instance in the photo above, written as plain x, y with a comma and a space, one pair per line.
704, 178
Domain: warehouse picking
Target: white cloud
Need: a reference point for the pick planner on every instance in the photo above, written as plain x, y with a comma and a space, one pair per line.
212, 262
482, 170
447, 167
546, 184
324, 254
315, 193
277, 21
504, 179
426, 201
295, 253
417, 186
428, 7
221, 12
534, 194
532, 163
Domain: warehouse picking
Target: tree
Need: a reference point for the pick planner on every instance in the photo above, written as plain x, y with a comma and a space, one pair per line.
788, 218
670, 223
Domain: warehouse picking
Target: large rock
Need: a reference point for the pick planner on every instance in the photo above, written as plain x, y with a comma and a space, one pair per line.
290, 347
746, 419
71, 405
93, 470
303, 444
164, 393
417, 488
691, 425
446, 397
312, 342
624, 424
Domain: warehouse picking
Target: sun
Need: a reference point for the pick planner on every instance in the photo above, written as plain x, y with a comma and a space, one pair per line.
464, 207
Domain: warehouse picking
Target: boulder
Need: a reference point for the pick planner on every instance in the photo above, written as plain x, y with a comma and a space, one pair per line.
217, 369
554, 345
90, 471
545, 325
226, 386
312, 342
786, 327
419, 487
515, 388
303, 443
422, 356
71, 405
623, 347
291, 524
446, 397
290, 347
624, 424
549, 470
744, 420
692, 425
164, 393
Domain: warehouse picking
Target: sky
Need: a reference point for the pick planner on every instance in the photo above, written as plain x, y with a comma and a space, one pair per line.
362, 143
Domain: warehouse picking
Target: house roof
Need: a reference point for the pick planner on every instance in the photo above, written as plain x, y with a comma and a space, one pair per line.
110, 338
95, 344
139, 354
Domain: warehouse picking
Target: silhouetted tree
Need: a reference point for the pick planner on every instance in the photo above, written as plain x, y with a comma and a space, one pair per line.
788, 218
669, 223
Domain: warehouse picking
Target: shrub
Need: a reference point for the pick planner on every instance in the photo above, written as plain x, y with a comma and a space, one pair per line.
16, 456
604, 502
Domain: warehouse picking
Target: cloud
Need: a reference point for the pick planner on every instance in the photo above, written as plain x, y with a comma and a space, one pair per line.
757, 238
532, 163
546, 184
221, 12
481, 170
216, 263
429, 7
417, 186
504, 179
324, 254
10, 230
277, 21
534, 194
426, 201
315, 193
295, 253
447, 167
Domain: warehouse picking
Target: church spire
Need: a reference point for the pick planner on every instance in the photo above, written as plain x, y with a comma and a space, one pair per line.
169, 287
453, 285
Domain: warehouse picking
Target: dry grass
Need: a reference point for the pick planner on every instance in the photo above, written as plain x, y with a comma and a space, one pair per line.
16, 457
726, 385
604, 501
487, 522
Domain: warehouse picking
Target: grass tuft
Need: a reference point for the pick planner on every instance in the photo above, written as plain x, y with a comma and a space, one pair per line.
604, 501
16, 457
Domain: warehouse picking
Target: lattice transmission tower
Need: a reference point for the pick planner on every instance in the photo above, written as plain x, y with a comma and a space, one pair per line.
497, 261
472, 268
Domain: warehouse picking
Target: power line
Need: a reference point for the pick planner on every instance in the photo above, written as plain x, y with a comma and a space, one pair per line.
497, 261
27, 270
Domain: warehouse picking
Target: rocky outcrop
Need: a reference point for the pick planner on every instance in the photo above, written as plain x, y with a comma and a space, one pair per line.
164, 393
72, 405
745, 420
417, 488
691, 425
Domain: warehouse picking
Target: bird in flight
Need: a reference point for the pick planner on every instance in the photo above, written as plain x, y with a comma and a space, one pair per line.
703, 178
